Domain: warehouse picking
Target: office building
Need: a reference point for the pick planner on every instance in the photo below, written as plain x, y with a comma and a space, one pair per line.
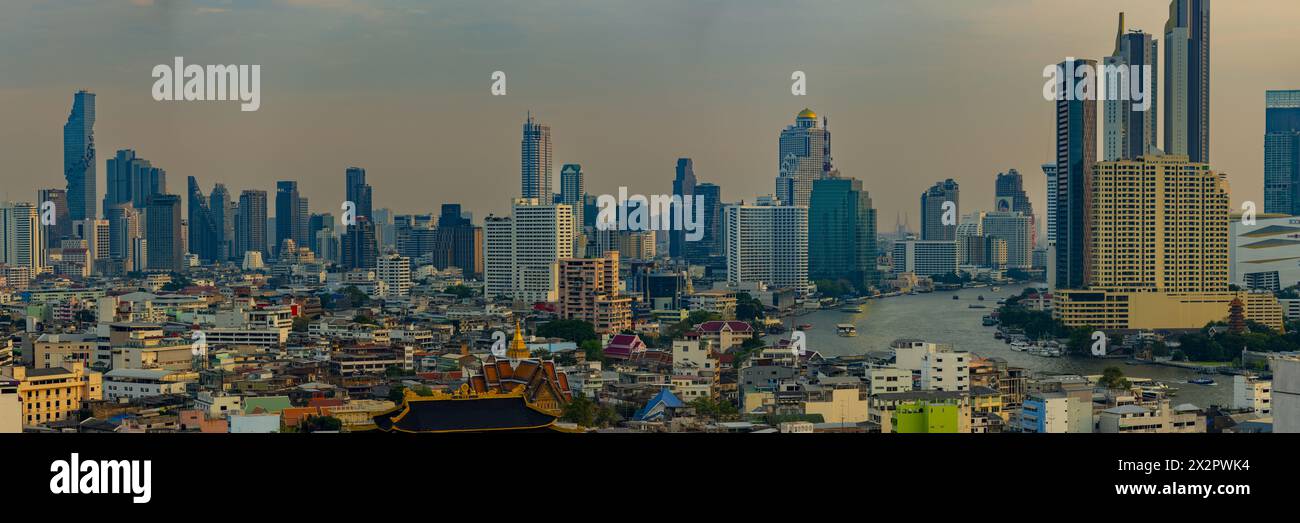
842, 233
1282, 152
1076, 153
1129, 132
22, 243
925, 257
535, 161
803, 154
573, 188
163, 232
250, 229
683, 186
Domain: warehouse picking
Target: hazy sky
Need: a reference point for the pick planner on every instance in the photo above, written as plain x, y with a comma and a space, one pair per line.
916, 91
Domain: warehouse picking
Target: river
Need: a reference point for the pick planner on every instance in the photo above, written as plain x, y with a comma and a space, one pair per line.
936, 317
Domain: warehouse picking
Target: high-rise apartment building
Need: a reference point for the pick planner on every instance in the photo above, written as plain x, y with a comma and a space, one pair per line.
22, 240
589, 290
573, 188
522, 251
767, 243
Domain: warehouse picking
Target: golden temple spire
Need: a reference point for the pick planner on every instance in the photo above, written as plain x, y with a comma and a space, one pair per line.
518, 349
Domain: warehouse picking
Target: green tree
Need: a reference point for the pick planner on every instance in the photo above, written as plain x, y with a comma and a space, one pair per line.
576, 331
580, 410
593, 350
356, 298
1113, 378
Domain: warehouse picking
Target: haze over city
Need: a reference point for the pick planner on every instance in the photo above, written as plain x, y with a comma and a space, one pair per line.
914, 91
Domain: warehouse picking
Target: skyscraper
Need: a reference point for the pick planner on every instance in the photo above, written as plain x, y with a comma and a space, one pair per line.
133, 179
250, 220
123, 231
767, 244
223, 210
62, 227
458, 242
572, 190
163, 233
1130, 134
932, 211
535, 161
203, 232
1049, 171
1016, 229
357, 190
289, 214
683, 185
1009, 194
360, 248
1187, 80
79, 156
1282, 152
522, 251
22, 242
1159, 250
1076, 153
842, 233
709, 246
803, 154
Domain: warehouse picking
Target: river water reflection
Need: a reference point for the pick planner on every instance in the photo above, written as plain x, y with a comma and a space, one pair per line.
936, 317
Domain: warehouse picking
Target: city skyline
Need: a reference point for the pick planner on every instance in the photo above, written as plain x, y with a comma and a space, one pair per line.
732, 144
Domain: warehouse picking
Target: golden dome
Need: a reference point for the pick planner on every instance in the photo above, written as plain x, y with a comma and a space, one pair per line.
807, 113
518, 349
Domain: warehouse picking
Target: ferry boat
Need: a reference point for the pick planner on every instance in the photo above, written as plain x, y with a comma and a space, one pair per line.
1202, 381
851, 309
1019, 346
846, 330
977, 306
989, 321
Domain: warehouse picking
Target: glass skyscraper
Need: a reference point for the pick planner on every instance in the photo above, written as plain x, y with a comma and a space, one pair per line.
1131, 134
842, 233
1076, 153
683, 185
535, 161
79, 157
1282, 152
1187, 80
203, 233
166, 252
932, 200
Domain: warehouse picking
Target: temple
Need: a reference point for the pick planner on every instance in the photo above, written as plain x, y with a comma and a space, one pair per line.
515, 393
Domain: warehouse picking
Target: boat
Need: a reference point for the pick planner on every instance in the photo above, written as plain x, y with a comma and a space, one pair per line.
805, 327
976, 306
1202, 381
851, 309
955, 297
846, 330
996, 289
989, 321
997, 335
980, 297
1019, 346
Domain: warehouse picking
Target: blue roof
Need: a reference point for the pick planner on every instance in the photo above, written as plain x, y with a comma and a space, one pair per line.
665, 397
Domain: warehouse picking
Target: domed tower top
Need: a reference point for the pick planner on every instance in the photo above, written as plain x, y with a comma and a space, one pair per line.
806, 114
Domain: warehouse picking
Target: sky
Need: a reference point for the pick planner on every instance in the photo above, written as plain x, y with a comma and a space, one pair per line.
916, 91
